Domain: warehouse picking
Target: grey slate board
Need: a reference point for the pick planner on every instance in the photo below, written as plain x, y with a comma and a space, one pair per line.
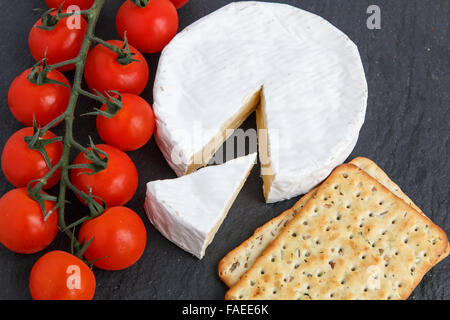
406, 132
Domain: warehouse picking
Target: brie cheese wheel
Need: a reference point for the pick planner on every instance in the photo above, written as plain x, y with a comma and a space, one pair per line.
189, 210
302, 76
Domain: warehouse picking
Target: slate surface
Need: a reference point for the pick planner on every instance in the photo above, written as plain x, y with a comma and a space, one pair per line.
406, 132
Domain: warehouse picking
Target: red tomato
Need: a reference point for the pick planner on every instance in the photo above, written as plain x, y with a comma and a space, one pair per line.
131, 127
46, 101
103, 72
116, 184
20, 164
149, 29
22, 225
59, 275
61, 42
179, 3
83, 4
119, 238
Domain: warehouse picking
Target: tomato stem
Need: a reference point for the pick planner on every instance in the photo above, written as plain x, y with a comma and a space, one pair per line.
62, 63
49, 21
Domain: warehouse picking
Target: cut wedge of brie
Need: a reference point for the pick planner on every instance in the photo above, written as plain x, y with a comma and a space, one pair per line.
302, 76
189, 210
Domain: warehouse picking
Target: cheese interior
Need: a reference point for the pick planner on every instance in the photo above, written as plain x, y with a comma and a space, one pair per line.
254, 103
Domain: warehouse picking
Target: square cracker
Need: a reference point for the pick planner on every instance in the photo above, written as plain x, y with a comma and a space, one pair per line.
239, 260
353, 239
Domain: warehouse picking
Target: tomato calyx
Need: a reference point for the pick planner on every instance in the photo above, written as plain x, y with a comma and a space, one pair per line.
49, 20
82, 247
97, 157
78, 249
39, 72
140, 3
124, 55
35, 142
113, 104
95, 210
37, 195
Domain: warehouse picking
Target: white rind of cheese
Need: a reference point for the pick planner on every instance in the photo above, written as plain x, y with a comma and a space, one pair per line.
308, 72
189, 210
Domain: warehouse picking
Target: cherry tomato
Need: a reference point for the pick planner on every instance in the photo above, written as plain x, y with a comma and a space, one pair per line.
116, 184
59, 275
131, 127
83, 4
103, 72
46, 101
149, 29
119, 238
22, 225
20, 164
179, 3
60, 43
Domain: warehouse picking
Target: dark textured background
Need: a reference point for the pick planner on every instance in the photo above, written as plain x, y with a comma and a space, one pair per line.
406, 132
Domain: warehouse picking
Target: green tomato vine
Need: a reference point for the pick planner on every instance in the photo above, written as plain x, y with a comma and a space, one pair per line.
98, 159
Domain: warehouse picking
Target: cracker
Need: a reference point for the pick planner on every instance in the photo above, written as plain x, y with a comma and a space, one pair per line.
239, 260
353, 239
376, 172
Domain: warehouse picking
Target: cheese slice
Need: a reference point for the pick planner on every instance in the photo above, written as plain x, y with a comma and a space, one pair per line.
189, 210
302, 76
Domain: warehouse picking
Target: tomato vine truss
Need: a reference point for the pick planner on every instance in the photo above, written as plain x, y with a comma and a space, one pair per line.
98, 158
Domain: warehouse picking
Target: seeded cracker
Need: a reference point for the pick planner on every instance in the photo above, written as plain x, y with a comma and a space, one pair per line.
238, 261
376, 172
353, 240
